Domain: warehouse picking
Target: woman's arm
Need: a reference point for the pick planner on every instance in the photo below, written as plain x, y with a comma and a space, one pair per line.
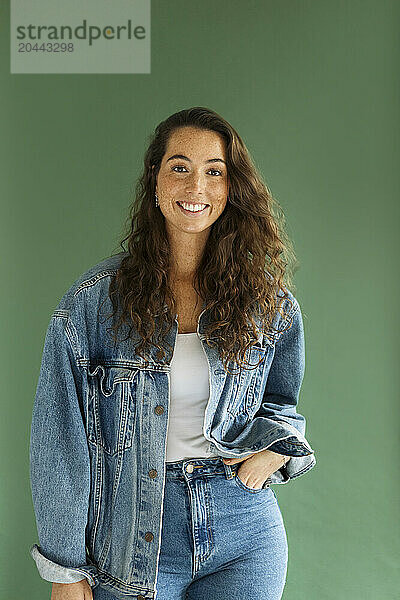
59, 459
281, 397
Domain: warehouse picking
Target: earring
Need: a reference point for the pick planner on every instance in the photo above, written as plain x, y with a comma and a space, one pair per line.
157, 204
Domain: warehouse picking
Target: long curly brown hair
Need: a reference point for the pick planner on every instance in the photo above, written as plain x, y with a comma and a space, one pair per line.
248, 258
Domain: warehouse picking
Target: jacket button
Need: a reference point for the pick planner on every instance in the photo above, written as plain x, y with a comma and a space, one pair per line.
159, 409
148, 536
153, 473
140, 597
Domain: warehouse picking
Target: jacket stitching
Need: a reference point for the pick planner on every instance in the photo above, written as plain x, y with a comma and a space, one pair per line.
93, 280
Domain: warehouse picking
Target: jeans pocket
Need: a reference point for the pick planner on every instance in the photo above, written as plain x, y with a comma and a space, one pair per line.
248, 489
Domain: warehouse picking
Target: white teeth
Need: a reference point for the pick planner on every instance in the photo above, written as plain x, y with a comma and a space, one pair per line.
193, 207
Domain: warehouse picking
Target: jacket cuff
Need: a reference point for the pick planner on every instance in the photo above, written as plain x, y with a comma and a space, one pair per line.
295, 447
296, 441
51, 571
295, 466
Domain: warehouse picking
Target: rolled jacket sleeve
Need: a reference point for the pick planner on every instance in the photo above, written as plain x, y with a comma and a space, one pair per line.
59, 460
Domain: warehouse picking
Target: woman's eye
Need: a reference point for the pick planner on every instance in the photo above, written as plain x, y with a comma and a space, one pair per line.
182, 167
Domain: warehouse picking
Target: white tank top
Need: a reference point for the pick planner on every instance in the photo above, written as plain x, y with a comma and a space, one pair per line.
189, 393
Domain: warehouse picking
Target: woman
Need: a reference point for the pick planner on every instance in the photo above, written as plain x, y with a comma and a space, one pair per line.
152, 454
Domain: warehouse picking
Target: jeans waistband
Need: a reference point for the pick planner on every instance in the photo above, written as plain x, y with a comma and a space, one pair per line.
194, 467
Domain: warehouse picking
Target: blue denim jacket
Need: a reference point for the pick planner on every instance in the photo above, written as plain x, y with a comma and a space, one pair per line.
99, 426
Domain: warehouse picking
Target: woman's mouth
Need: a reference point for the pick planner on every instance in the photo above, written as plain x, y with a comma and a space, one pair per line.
192, 209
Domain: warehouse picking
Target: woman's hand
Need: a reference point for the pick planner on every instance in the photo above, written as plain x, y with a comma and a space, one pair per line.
72, 591
256, 468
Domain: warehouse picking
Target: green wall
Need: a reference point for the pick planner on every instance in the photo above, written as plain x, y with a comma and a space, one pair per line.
313, 89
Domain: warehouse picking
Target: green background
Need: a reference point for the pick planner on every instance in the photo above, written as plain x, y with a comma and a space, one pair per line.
313, 89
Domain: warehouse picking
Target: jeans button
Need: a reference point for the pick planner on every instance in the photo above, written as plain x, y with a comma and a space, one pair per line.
189, 468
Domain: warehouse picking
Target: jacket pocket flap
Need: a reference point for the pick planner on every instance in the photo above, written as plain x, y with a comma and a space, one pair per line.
110, 376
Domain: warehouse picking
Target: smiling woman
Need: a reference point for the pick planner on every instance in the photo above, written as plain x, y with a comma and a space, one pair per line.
186, 179
130, 435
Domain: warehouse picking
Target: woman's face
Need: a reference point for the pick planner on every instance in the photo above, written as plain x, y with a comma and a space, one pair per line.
193, 172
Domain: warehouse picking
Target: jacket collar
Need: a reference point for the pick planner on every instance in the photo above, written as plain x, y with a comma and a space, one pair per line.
205, 319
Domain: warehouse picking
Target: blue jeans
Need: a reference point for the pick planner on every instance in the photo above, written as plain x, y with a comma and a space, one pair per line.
220, 539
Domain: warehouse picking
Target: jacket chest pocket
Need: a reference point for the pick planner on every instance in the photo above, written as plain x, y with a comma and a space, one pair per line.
247, 385
112, 407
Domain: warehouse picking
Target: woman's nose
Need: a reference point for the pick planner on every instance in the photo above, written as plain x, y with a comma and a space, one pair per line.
195, 183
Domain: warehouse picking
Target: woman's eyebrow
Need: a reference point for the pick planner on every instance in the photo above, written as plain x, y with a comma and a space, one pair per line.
182, 157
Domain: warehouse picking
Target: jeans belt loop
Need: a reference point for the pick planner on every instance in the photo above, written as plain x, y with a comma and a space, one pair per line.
229, 471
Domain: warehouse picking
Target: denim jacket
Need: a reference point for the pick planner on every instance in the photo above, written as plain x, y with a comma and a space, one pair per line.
99, 428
